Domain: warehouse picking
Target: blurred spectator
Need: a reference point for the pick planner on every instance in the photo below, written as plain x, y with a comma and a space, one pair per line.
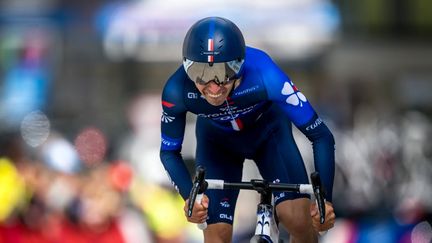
151, 189
49, 204
375, 82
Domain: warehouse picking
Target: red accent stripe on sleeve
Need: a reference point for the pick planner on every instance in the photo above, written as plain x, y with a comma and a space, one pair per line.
167, 104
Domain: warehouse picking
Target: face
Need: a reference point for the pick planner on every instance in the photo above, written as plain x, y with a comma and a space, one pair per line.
215, 94
214, 80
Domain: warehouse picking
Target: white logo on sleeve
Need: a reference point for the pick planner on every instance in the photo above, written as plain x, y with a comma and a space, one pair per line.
295, 97
166, 119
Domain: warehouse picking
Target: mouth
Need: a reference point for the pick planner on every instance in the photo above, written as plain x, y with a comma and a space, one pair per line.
214, 95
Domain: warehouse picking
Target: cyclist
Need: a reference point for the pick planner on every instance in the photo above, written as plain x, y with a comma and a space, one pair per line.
245, 106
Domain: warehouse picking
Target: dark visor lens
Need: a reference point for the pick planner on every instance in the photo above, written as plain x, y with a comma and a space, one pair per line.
220, 73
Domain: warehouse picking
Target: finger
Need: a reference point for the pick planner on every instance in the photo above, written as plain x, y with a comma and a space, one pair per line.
198, 219
185, 207
200, 206
313, 209
329, 210
203, 219
200, 214
330, 214
323, 227
328, 224
196, 213
330, 218
327, 227
205, 201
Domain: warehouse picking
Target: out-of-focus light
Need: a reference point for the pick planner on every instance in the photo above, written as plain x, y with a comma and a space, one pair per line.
60, 194
344, 231
12, 189
120, 175
154, 30
59, 154
35, 128
422, 232
409, 210
91, 146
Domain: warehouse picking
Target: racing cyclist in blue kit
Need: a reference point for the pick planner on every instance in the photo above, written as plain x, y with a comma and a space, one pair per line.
245, 106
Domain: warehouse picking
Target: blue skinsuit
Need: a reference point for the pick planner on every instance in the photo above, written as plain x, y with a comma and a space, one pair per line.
253, 123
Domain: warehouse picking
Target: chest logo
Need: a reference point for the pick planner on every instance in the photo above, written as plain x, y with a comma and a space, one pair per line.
295, 97
192, 95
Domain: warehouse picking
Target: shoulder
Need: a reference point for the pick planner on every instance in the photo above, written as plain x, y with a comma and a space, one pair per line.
260, 61
272, 76
255, 54
174, 86
174, 89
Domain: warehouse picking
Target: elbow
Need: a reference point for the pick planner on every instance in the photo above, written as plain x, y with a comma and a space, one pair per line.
166, 155
321, 134
328, 136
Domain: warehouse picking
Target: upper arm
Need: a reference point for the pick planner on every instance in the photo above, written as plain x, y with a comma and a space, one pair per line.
282, 91
173, 119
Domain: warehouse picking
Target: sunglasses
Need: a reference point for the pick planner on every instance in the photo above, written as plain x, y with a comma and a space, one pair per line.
221, 73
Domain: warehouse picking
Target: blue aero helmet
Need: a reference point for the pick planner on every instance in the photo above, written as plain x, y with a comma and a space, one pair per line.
213, 50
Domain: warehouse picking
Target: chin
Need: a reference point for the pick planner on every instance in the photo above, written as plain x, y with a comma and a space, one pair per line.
215, 102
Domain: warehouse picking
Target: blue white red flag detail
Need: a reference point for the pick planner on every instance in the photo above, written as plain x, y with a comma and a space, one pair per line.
210, 48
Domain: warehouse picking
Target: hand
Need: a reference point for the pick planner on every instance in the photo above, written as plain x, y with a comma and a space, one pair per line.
199, 212
329, 219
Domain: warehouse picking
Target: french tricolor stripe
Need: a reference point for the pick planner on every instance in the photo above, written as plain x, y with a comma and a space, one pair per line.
237, 124
210, 48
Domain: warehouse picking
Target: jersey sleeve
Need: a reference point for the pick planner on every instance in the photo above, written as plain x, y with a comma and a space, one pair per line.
282, 91
173, 121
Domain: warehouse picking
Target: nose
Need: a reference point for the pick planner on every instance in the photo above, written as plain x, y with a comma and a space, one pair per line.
213, 87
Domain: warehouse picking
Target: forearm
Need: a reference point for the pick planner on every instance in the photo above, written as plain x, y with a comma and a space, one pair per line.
323, 144
325, 162
177, 171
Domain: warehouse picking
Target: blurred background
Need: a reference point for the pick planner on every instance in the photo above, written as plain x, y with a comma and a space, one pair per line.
80, 85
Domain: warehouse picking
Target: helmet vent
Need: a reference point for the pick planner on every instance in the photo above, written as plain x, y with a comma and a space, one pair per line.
202, 44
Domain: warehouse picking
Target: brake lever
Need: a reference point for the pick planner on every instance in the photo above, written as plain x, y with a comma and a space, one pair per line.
319, 193
197, 188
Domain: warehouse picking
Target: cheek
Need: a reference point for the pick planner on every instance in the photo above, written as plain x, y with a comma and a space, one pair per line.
200, 88
229, 88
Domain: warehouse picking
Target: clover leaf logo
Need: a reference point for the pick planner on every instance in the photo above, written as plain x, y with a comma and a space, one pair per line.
295, 97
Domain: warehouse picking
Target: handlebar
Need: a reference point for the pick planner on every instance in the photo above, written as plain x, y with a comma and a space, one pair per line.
200, 185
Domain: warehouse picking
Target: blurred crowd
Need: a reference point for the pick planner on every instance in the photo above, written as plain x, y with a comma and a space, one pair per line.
80, 190
53, 193
80, 115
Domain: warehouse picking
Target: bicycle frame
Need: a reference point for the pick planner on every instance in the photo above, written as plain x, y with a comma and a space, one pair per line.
266, 229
